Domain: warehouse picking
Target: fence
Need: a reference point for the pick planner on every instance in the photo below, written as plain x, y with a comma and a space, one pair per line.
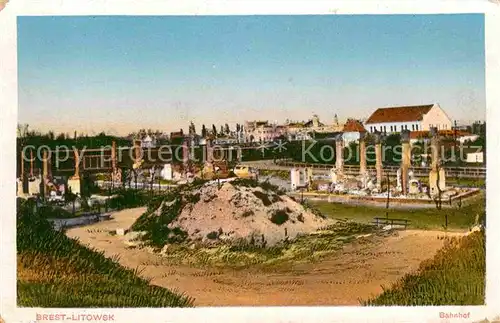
460, 172
392, 222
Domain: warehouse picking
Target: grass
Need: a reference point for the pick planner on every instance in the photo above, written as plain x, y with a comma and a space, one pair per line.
56, 271
266, 186
466, 182
305, 248
283, 174
428, 219
455, 276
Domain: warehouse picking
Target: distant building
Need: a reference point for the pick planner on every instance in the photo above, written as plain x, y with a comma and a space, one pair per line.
225, 140
475, 158
148, 142
413, 118
177, 137
467, 137
262, 131
352, 130
461, 136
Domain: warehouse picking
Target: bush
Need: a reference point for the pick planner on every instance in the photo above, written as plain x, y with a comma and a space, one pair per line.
156, 221
263, 197
254, 183
212, 235
247, 213
128, 198
53, 212
279, 217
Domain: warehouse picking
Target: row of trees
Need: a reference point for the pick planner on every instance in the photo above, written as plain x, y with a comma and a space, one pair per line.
35, 138
224, 130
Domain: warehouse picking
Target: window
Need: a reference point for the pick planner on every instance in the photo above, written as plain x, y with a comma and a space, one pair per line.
413, 127
402, 128
416, 127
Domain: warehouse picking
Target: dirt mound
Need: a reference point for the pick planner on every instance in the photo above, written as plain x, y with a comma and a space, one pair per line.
232, 212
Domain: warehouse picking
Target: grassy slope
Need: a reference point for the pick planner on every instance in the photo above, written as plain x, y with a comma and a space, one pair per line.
458, 218
55, 271
455, 276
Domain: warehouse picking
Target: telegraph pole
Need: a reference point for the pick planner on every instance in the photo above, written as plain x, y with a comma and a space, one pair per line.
455, 147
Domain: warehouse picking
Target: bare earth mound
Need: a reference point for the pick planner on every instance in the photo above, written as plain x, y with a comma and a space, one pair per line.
250, 213
233, 212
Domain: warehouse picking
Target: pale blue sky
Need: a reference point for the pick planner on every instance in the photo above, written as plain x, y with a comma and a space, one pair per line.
124, 73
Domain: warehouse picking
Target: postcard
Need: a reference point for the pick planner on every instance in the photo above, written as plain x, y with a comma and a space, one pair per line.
206, 161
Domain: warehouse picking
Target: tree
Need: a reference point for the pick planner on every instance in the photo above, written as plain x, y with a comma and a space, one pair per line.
226, 128
192, 129
203, 131
51, 135
23, 130
214, 130
61, 136
237, 127
221, 130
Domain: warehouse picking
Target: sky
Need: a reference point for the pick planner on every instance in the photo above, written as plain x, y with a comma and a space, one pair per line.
122, 73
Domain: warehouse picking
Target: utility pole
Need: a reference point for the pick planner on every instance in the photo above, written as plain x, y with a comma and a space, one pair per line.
387, 204
455, 148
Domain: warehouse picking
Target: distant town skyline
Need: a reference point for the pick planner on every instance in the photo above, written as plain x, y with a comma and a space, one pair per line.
119, 74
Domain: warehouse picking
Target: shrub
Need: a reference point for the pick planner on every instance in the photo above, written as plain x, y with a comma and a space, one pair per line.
279, 217
254, 183
247, 213
263, 197
53, 212
128, 198
158, 232
213, 235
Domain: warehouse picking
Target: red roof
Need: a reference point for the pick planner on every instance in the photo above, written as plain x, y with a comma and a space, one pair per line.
353, 126
399, 114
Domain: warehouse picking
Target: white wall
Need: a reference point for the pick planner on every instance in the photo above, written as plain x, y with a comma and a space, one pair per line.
412, 126
436, 117
350, 137
475, 157
463, 139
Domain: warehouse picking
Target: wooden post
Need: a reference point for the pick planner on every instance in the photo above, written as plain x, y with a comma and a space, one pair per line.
31, 163
22, 164
362, 154
406, 160
388, 193
339, 156
77, 165
45, 174
378, 160
113, 163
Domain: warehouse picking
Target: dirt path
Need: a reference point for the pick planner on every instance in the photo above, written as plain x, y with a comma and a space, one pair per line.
356, 272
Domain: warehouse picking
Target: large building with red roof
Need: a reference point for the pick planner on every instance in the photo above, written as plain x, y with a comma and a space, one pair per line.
413, 118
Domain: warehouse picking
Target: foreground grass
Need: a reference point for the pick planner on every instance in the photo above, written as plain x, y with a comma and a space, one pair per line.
55, 271
455, 276
305, 248
428, 219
